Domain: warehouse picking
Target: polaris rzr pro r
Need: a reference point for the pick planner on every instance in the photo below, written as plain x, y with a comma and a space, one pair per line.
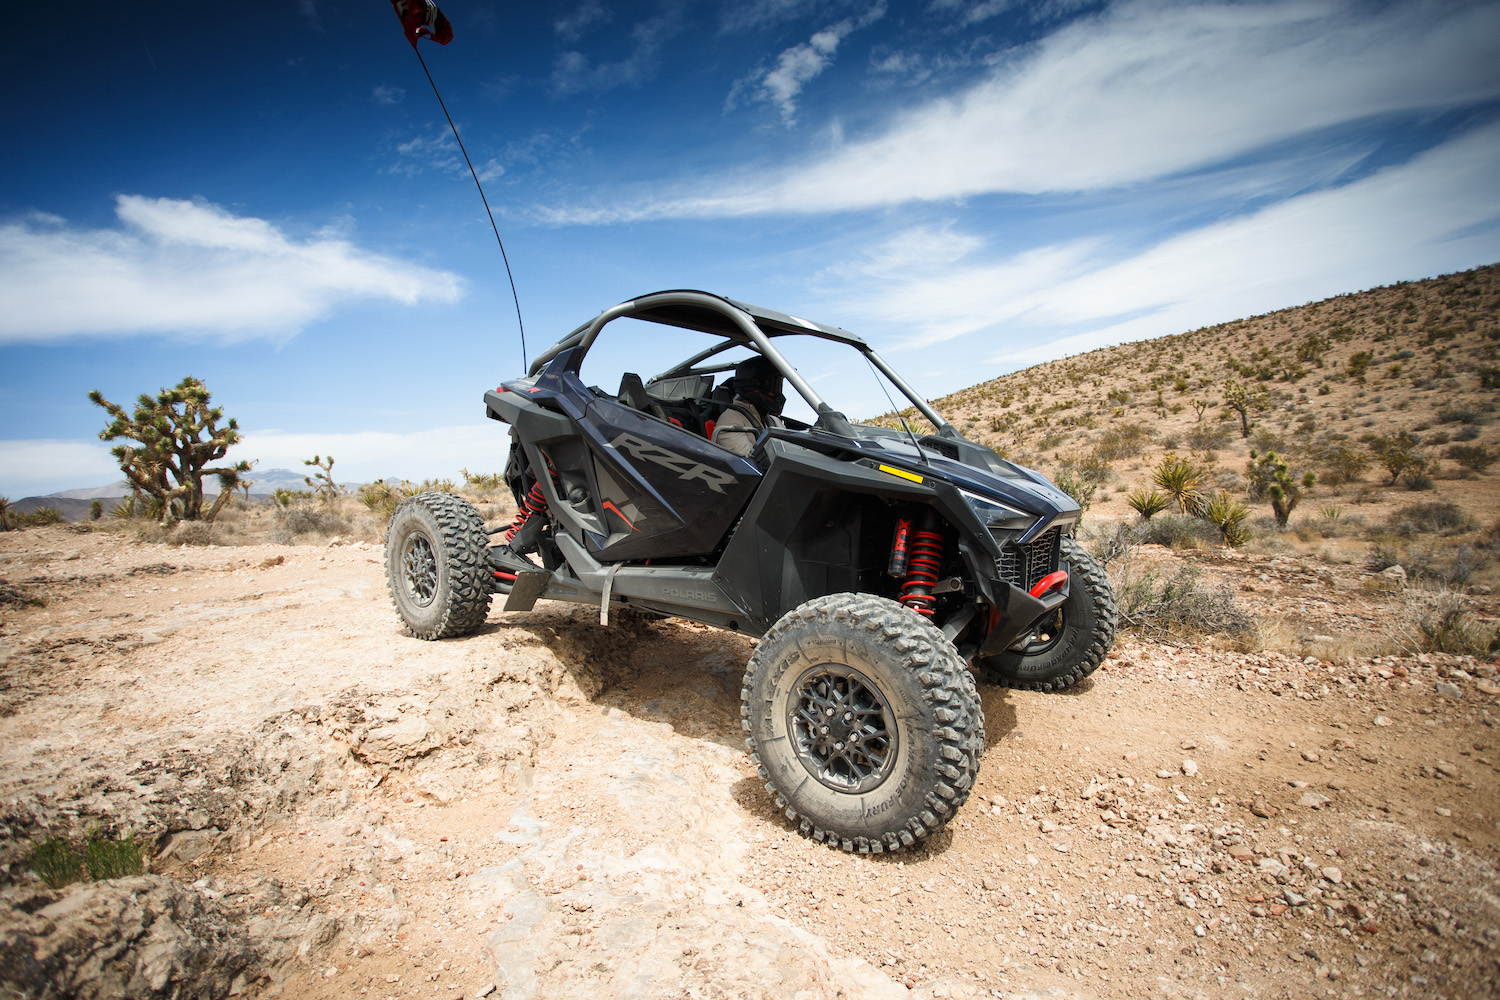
875, 565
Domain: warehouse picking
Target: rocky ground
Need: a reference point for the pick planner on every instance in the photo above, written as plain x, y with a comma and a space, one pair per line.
555, 809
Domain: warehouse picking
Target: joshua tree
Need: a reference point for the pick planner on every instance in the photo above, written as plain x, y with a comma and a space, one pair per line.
177, 435
1283, 486
323, 486
1242, 399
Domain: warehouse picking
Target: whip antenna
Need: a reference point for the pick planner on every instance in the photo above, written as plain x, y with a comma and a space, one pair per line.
422, 19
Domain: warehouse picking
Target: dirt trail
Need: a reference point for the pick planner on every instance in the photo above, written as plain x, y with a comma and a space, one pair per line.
555, 809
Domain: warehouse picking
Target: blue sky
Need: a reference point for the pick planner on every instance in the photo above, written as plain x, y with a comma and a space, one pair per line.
267, 197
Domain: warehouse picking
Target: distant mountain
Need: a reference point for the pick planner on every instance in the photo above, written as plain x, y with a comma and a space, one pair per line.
266, 482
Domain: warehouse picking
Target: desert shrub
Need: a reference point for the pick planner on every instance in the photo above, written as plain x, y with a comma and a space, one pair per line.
96, 510
1122, 441
1467, 432
285, 498
1435, 621
1148, 503
1179, 531
383, 496
1342, 464
1207, 437
482, 480
1181, 480
1432, 517
1459, 415
1076, 486
190, 533
1178, 607
55, 862
38, 517
304, 520
1418, 473
1395, 452
1227, 513
1475, 457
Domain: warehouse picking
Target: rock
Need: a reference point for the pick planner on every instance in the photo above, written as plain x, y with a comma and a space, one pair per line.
1259, 808
1292, 898
1310, 756
1395, 575
1444, 811
407, 737
1488, 687
1381, 720
1190, 768
124, 937
1332, 874
1241, 852
1272, 867
1444, 767
1313, 800
1448, 690
1047, 826
1166, 773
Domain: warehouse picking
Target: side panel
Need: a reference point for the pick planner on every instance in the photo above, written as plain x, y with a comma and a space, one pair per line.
664, 492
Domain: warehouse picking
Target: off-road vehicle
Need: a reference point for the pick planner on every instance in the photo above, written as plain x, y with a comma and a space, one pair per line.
875, 565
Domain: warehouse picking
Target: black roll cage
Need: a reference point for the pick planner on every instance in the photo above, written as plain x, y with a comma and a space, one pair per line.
740, 324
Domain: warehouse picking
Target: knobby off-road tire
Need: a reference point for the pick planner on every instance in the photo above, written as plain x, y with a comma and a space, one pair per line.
905, 731
1077, 635
437, 565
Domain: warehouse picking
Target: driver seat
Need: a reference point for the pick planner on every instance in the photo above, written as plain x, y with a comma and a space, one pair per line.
633, 394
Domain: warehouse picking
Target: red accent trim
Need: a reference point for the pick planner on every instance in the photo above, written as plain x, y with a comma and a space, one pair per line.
674, 420
708, 428
502, 575
1052, 581
610, 505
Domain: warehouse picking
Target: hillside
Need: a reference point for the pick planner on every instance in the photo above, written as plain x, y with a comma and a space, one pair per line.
1422, 357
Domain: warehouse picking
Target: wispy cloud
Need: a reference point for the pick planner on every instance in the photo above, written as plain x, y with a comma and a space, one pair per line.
799, 65
589, 14
574, 72
388, 95
1144, 90
38, 466
188, 268
1438, 213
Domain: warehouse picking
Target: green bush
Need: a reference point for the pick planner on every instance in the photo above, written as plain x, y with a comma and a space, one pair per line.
1475, 457
1432, 517
1228, 514
1148, 503
106, 858
55, 862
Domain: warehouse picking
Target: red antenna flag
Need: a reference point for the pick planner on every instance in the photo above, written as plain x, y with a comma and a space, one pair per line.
422, 19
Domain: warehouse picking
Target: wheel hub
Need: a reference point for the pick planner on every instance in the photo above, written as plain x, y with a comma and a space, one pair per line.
419, 568
842, 728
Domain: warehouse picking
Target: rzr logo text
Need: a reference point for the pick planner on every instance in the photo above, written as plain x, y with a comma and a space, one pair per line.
685, 468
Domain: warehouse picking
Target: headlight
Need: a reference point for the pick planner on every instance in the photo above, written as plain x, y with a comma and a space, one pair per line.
996, 514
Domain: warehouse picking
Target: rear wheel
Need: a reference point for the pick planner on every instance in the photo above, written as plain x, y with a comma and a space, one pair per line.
437, 565
1071, 641
861, 723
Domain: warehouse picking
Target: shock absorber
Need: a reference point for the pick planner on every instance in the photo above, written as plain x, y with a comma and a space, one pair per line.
535, 502
923, 564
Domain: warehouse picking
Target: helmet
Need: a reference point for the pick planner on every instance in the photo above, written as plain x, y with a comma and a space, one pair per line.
758, 381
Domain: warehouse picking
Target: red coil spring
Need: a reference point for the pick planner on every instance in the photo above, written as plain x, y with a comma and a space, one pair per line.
534, 503
922, 572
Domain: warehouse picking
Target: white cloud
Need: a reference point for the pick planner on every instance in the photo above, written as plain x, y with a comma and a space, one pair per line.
1144, 90
362, 456
39, 466
188, 267
388, 95
1438, 213
800, 64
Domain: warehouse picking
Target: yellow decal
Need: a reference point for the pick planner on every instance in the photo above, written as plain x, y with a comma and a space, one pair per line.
902, 473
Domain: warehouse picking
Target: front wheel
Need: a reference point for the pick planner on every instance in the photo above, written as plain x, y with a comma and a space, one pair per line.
861, 723
437, 565
1070, 642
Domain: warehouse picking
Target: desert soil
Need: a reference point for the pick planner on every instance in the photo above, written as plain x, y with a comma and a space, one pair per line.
551, 808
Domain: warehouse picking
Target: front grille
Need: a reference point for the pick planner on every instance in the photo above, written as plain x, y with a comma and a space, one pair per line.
1024, 565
